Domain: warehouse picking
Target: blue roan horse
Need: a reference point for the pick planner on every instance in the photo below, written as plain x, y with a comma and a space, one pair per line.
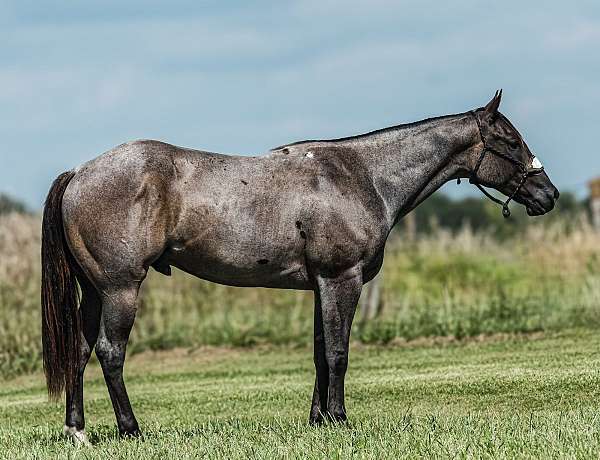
312, 215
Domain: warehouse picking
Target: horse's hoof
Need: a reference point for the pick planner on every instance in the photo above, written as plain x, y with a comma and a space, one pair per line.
316, 420
130, 434
78, 437
337, 418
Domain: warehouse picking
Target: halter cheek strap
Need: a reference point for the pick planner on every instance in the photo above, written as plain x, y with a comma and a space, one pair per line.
525, 171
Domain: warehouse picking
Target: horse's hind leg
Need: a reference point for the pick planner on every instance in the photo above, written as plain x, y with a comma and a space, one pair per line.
319, 402
90, 320
118, 314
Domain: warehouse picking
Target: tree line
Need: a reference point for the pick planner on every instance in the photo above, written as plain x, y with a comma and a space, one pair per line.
481, 215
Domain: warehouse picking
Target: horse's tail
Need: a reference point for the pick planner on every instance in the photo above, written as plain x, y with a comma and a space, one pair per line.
61, 325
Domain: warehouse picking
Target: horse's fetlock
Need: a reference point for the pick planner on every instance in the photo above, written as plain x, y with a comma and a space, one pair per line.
128, 427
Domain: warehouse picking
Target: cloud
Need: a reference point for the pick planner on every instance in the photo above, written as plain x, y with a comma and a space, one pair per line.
239, 77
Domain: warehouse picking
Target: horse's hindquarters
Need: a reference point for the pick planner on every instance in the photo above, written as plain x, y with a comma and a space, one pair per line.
116, 214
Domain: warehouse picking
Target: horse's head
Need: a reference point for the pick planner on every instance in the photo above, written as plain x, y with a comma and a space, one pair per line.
506, 164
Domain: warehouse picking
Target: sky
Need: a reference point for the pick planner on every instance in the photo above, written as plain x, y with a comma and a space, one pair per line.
78, 78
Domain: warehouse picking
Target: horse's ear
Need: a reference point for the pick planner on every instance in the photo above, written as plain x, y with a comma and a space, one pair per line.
492, 107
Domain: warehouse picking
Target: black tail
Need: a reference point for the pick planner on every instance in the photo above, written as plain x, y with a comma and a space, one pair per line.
61, 325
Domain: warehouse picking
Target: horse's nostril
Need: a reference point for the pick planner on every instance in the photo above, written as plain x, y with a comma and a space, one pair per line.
556, 194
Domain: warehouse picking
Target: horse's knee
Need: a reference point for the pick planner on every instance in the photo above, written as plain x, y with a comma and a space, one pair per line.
338, 363
110, 355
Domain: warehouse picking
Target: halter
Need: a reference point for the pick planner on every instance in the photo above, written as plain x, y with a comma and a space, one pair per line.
533, 169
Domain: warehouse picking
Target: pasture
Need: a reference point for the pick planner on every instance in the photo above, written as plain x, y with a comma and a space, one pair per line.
485, 348
545, 279
534, 396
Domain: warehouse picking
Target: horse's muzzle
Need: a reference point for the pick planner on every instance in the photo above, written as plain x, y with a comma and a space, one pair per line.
542, 204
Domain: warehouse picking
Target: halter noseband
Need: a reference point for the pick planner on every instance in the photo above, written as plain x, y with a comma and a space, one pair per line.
525, 170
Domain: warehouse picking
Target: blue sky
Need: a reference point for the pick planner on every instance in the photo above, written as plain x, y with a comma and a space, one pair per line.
77, 78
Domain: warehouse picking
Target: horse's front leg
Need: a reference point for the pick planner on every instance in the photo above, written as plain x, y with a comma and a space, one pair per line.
338, 297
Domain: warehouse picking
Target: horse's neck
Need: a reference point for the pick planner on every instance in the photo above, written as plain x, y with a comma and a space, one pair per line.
410, 162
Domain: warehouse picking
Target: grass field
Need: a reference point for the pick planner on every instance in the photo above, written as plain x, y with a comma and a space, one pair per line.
485, 348
533, 396
545, 279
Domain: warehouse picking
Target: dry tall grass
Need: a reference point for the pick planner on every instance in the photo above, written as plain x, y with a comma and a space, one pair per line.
19, 293
443, 284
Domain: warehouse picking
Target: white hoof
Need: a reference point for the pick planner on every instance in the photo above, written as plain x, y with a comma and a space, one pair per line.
78, 437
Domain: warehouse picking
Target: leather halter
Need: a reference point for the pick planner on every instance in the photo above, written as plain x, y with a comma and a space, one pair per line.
525, 170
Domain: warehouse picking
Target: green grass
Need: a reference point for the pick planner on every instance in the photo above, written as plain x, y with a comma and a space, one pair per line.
517, 397
460, 285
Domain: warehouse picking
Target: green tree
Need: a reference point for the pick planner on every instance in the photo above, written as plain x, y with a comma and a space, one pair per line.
10, 204
482, 215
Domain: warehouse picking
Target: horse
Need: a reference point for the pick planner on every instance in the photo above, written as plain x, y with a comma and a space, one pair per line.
311, 215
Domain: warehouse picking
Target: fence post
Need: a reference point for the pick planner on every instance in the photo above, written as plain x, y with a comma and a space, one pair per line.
371, 300
594, 186
410, 226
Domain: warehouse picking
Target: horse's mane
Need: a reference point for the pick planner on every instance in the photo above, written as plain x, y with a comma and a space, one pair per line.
371, 133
